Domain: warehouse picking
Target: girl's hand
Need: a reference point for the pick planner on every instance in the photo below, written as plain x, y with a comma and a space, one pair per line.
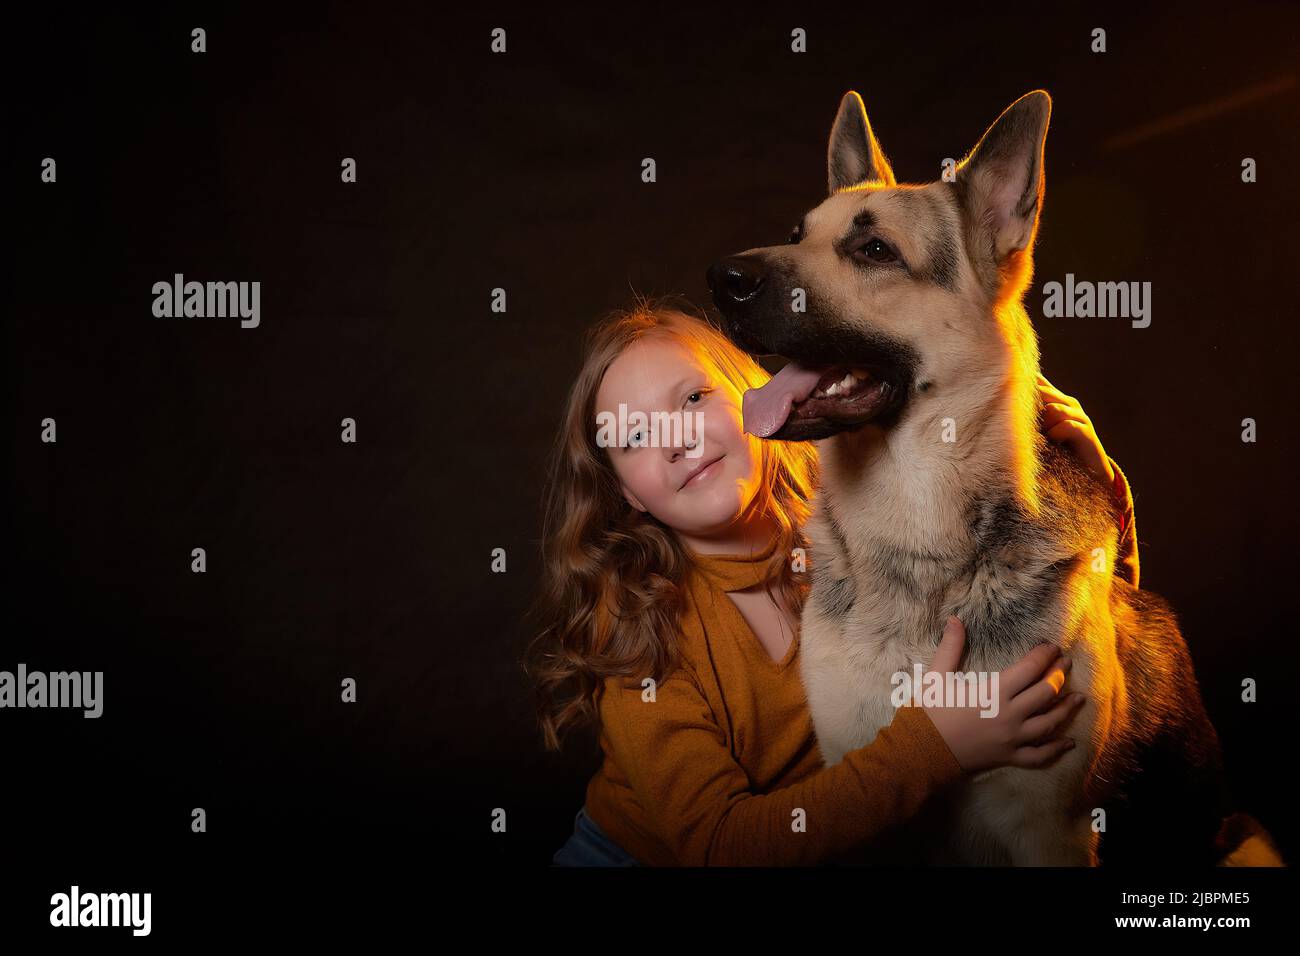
1030, 711
1065, 421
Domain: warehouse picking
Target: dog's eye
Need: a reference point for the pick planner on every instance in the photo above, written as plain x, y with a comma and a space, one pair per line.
795, 236
877, 251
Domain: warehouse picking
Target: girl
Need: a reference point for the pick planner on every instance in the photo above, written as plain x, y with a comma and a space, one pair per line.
669, 620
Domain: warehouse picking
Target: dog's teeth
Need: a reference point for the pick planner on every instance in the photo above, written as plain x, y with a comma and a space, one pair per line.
834, 389
846, 384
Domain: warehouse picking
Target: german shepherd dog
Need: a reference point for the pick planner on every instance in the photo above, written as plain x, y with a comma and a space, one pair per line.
912, 361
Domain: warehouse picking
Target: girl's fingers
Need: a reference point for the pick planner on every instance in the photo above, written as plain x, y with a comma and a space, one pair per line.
1054, 412
1039, 729
1067, 430
1049, 394
1053, 394
948, 656
1028, 669
1041, 694
1068, 411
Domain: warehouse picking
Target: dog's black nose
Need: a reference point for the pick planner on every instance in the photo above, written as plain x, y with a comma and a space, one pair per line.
735, 280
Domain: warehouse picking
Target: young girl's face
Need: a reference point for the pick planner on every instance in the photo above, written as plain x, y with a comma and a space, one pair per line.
699, 496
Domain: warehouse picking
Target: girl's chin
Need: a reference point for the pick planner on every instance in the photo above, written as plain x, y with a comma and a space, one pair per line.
719, 510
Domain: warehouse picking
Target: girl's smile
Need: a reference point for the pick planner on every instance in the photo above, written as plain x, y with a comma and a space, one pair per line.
703, 473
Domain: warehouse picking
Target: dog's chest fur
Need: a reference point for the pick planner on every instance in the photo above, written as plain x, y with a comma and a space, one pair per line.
1013, 578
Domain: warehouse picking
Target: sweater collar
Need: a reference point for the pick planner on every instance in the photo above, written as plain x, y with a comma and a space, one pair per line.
738, 571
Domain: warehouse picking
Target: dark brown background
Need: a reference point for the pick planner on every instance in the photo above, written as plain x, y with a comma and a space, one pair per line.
372, 560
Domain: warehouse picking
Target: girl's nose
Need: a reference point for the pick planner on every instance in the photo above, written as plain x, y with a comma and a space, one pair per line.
685, 448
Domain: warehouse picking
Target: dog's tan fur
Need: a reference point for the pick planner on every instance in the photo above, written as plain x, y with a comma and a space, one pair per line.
997, 526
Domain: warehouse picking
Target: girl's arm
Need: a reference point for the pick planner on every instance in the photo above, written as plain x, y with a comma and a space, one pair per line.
676, 759
677, 762
1064, 420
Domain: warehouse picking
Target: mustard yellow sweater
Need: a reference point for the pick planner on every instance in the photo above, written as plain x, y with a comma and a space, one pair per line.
722, 764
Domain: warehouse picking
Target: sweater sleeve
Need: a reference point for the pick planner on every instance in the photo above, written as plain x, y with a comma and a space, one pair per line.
698, 797
1126, 559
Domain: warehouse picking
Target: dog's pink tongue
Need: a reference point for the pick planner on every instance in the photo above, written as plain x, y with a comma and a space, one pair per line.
765, 409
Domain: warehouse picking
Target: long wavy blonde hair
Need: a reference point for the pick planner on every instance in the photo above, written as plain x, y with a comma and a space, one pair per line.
612, 577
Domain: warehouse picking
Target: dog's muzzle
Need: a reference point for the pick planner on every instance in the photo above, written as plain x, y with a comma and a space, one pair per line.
838, 377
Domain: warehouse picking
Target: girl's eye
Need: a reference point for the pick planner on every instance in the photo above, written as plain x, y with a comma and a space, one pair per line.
634, 440
877, 251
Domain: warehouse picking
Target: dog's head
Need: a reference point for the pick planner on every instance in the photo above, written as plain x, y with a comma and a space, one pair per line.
886, 291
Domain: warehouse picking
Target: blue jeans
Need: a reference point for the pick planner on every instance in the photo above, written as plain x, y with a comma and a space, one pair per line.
591, 846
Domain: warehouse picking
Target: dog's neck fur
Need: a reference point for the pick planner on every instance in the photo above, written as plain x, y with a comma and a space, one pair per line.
978, 526
919, 488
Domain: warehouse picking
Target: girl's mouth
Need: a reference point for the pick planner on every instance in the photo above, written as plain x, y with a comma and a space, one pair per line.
702, 474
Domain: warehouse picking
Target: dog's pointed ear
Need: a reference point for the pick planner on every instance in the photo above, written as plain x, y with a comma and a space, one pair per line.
854, 155
1001, 180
